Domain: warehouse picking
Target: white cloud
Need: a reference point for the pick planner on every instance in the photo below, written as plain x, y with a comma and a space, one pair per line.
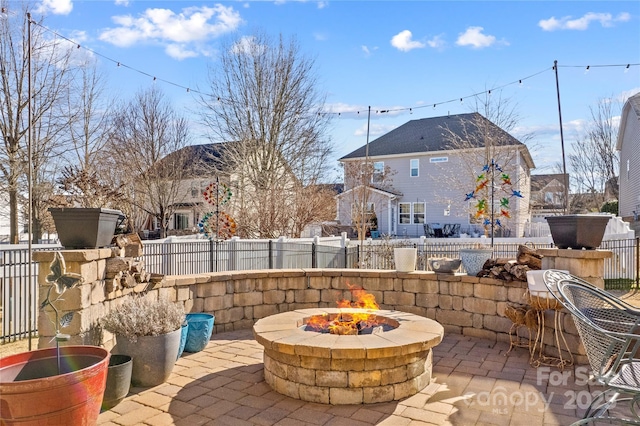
473, 37
437, 42
180, 51
56, 7
368, 51
323, 4
320, 36
582, 23
402, 41
122, 3
180, 32
375, 129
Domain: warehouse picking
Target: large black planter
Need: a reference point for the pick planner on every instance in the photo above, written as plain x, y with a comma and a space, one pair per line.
578, 231
85, 228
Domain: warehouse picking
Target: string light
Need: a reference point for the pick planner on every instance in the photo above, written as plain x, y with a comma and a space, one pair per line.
587, 70
188, 90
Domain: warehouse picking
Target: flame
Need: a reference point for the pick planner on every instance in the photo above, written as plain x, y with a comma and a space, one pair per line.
348, 323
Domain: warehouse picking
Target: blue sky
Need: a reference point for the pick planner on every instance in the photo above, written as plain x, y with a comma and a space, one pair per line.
390, 55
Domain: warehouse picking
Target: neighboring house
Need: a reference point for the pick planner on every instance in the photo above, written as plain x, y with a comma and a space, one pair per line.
629, 147
191, 206
547, 195
435, 162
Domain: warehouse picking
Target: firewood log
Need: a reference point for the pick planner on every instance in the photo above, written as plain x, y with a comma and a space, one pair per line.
115, 264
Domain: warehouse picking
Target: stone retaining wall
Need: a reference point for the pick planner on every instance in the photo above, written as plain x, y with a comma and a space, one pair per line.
462, 304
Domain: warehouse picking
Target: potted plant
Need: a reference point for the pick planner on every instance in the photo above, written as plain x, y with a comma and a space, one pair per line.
58, 385
473, 259
149, 331
578, 231
80, 218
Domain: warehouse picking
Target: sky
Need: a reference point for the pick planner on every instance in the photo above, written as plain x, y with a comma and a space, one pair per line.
402, 57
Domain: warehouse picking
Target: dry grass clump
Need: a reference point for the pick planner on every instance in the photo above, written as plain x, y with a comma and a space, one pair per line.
141, 316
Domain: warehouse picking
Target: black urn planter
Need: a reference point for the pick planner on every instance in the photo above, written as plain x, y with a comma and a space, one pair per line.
85, 228
578, 231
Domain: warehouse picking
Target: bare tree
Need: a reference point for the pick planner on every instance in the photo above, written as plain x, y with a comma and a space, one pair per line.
487, 149
146, 148
51, 71
90, 112
595, 161
265, 100
361, 180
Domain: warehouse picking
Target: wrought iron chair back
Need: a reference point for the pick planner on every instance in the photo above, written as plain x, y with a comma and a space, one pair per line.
610, 332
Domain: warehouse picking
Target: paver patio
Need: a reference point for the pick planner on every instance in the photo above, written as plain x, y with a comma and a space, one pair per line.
475, 383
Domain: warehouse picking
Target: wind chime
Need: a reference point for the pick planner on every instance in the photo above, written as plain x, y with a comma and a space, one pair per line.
485, 189
217, 224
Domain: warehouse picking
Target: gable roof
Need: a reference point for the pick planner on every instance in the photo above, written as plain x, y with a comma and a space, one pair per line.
539, 182
205, 158
630, 110
428, 135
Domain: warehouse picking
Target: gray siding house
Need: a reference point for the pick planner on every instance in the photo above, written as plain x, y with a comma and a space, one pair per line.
629, 147
434, 163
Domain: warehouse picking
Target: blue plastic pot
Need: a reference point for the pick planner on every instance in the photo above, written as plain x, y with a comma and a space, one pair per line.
183, 337
199, 333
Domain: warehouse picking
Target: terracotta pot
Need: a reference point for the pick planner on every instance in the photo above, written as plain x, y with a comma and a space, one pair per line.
33, 393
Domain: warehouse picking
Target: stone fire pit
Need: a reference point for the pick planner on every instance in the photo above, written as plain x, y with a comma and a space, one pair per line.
354, 369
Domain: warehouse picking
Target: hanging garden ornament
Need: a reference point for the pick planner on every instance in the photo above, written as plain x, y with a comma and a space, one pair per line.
224, 229
484, 182
217, 193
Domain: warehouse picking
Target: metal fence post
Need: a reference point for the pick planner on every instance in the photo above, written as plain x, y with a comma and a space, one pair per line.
212, 264
637, 261
270, 254
314, 260
346, 257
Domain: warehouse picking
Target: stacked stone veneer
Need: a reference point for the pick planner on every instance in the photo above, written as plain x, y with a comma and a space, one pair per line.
462, 304
330, 369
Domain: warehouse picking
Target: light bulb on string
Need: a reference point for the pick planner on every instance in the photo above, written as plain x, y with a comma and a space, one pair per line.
587, 70
626, 69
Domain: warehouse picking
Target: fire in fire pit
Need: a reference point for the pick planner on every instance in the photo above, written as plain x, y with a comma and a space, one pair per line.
351, 323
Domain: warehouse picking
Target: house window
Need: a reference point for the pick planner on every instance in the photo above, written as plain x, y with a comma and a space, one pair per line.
414, 167
411, 213
418, 212
181, 221
378, 171
404, 213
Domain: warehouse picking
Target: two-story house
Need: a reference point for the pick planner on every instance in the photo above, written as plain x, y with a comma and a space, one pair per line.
547, 195
452, 172
629, 147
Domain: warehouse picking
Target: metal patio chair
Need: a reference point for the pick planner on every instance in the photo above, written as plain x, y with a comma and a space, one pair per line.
610, 331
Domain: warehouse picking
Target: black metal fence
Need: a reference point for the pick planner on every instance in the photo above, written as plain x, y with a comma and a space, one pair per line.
18, 293
196, 257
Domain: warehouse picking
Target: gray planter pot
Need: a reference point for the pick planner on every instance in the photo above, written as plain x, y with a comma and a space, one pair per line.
578, 231
153, 357
118, 380
85, 228
473, 259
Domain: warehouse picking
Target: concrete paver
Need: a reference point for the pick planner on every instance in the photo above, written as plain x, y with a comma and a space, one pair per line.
475, 382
